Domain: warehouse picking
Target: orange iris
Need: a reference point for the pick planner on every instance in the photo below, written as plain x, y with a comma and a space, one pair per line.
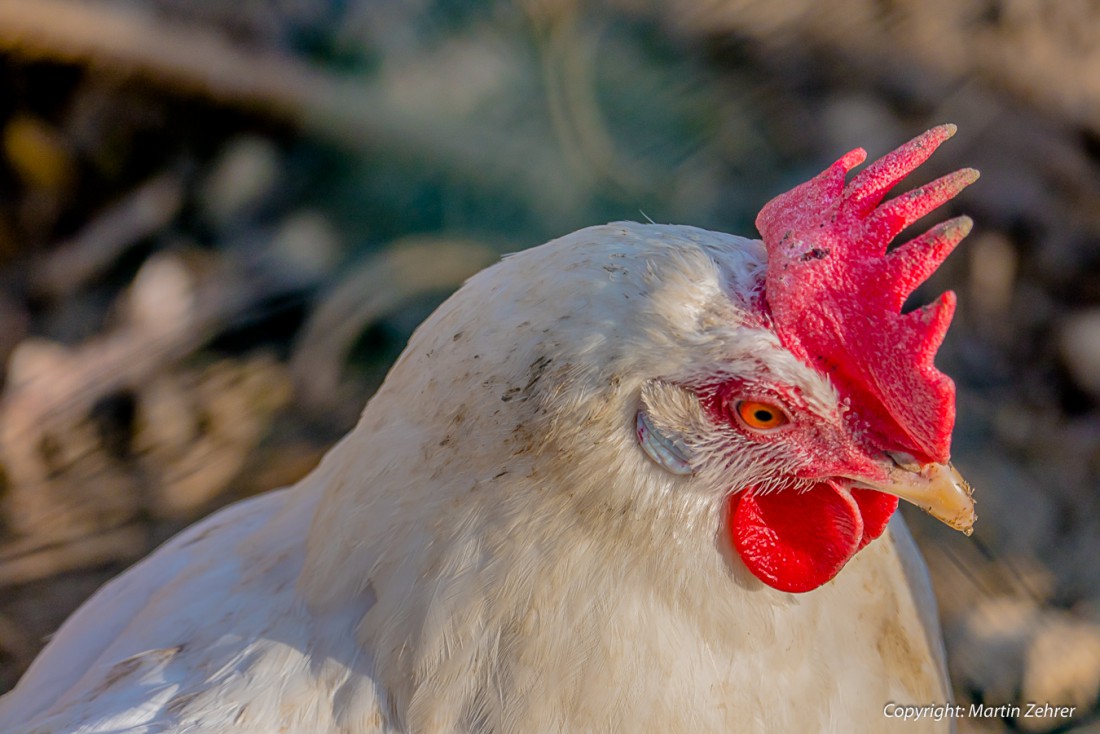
761, 416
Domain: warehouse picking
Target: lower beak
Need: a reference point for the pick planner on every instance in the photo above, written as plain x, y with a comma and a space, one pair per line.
938, 489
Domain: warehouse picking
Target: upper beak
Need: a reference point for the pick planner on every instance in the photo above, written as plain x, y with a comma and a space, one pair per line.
938, 489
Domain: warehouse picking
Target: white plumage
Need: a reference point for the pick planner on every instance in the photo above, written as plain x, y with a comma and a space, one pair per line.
490, 550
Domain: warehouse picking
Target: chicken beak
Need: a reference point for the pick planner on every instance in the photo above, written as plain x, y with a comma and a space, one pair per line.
938, 489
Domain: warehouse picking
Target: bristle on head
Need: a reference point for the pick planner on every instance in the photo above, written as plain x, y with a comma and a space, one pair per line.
835, 294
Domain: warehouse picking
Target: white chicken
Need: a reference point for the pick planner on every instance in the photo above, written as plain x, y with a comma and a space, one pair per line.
632, 480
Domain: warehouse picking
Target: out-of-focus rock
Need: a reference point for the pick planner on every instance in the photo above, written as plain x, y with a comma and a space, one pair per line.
860, 121
978, 725
1009, 490
247, 171
1079, 344
35, 359
162, 297
1013, 651
990, 644
993, 266
305, 248
1062, 667
38, 153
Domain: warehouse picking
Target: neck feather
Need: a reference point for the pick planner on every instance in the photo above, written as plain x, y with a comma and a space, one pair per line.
492, 579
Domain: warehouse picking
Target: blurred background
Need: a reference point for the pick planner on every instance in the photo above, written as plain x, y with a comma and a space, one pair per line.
219, 223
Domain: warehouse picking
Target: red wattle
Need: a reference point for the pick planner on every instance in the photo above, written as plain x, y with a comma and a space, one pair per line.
796, 541
876, 509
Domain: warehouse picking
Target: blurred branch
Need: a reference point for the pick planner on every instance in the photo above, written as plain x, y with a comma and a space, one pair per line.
352, 114
142, 213
568, 54
124, 39
19, 565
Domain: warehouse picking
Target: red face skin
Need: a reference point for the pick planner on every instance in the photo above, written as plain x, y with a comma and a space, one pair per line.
797, 537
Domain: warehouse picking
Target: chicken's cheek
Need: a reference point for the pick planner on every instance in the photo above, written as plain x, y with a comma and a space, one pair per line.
796, 541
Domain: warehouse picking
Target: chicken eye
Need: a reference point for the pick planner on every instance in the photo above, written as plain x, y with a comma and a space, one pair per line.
761, 416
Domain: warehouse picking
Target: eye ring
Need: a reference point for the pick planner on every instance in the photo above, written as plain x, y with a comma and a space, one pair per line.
760, 416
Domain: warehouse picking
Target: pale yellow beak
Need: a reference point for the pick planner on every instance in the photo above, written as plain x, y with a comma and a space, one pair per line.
938, 489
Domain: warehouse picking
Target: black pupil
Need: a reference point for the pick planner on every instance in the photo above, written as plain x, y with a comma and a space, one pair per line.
764, 416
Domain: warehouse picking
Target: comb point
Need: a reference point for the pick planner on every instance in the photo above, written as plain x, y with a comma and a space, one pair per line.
869, 187
908, 265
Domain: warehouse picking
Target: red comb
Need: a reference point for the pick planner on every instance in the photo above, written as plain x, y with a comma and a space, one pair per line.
835, 294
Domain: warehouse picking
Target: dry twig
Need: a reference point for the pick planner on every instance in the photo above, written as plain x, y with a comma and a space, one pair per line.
95, 248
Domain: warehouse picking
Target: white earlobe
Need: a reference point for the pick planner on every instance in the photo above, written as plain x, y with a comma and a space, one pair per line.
664, 451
